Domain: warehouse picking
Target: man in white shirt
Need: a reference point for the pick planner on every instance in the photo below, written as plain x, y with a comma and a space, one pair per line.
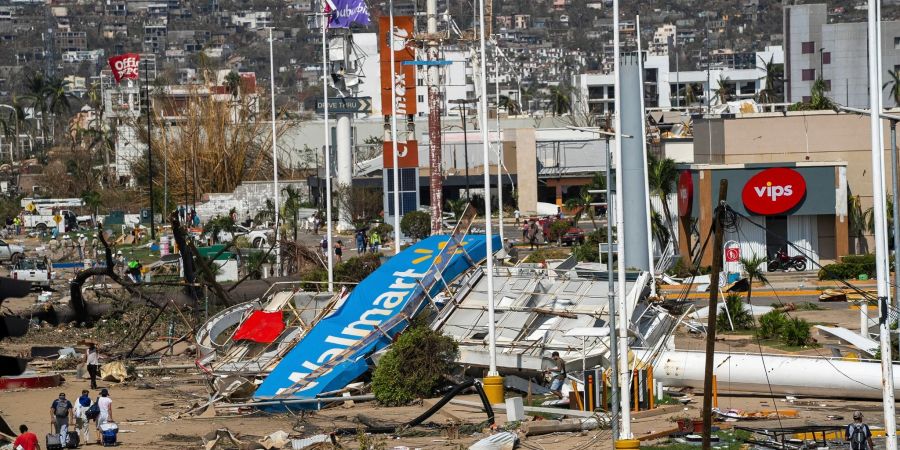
92, 359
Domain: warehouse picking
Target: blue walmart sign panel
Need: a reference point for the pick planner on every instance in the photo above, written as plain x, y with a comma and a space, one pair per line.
375, 301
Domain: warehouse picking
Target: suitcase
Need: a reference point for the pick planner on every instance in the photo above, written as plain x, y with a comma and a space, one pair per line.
72, 440
53, 442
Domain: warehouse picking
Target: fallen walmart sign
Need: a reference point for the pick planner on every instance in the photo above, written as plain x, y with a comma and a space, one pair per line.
334, 352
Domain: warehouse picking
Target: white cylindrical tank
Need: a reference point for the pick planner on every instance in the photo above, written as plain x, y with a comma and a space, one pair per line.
787, 375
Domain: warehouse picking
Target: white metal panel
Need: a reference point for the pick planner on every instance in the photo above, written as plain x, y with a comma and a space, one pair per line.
803, 232
750, 236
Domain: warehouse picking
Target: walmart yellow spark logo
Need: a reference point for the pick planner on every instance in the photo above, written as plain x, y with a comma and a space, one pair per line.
428, 253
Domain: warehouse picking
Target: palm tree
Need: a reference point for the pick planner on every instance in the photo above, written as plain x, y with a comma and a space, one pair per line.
818, 100
512, 107
233, 83
559, 100
856, 220
774, 81
724, 92
754, 272
291, 207
869, 219
580, 204
662, 177
49, 96
895, 86
691, 93
92, 200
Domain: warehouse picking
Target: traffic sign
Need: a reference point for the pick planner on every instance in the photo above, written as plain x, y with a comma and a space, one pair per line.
345, 105
427, 63
57, 218
732, 254
31, 207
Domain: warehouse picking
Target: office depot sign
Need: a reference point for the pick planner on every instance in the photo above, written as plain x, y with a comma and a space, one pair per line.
773, 191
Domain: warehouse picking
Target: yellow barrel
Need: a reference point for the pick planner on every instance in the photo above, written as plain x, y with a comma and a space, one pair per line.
628, 444
493, 388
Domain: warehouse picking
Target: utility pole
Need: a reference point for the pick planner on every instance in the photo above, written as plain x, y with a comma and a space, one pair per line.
718, 235
611, 298
436, 181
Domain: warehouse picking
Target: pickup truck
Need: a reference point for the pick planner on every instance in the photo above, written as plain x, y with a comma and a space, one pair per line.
259, 238
10, 252
42, 222
37, 271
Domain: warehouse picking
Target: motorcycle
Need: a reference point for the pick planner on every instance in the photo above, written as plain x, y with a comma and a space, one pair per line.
781, 261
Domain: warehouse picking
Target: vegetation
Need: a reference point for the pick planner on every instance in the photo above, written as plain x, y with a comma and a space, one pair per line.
850, 268
557, 229
359, 205
582, 203
416, 224
734, 317
770, 324
755, 266
291, 207
792, 331
773, 86
352, 270
590, 250
544, 254
818, 99
414, 366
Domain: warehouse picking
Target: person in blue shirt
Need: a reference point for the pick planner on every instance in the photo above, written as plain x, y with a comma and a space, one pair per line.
61, 416
858, 434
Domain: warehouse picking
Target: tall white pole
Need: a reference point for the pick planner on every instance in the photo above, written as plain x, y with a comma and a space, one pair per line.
499, 141
329, 236
492, 332
624, 372
275, 158
881, 247
394, 150
644, 150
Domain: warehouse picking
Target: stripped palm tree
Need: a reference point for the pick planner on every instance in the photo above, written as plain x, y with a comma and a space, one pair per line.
755, 268
894, 84
773, 81
662, 176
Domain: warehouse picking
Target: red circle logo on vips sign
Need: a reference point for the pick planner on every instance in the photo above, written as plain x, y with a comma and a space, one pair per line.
685, 193
773, 191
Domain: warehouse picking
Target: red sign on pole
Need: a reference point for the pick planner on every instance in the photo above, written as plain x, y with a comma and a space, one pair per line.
125, 66
732, 254
685, 193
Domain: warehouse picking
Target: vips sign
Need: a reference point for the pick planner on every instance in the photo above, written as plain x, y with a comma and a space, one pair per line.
125, 66
367, 312
773, 191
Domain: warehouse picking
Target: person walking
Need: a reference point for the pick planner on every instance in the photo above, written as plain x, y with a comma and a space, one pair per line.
338, 250
82, 423
375, 239
92, 359
360, 242
105, 405
324, 245
517, 215
26, 440
858, 434
61, 416
532, 234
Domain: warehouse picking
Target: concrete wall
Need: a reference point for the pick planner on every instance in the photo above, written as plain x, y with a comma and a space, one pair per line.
526, 169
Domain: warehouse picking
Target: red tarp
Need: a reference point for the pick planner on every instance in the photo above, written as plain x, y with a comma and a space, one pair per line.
261, 326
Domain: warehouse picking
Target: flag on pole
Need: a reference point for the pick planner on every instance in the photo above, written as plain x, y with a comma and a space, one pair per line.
343, 13
125, 66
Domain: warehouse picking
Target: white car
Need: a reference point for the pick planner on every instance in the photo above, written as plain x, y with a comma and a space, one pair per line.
10, 252
257, 238
37, 271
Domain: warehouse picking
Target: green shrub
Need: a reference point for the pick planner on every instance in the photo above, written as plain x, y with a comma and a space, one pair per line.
355, 269
770, 324
414, 366
868, 259
587, 252
416, 224
795, 332
384, 230
741, 318
845, 271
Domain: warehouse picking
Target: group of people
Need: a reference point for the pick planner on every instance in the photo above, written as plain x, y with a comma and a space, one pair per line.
64, 416
80, 244
532, 233
189, 217
370, 242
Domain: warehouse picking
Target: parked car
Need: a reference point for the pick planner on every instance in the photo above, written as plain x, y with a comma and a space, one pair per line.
37, 271
572, 236
10, 252
257, 238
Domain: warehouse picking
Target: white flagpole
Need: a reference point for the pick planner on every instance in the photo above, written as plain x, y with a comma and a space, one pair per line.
881, 245
621, 285
328, 234
395, 152
274, 158
489, 246
499, 141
